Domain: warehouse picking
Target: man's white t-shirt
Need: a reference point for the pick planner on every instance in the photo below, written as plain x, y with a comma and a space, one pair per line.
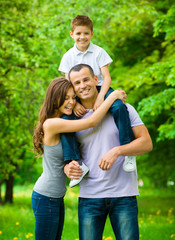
94, 143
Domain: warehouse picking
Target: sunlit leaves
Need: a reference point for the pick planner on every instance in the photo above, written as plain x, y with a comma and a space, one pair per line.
139, 36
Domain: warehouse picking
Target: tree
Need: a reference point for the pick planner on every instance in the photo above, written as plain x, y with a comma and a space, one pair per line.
139, 35
150, 82
21, 93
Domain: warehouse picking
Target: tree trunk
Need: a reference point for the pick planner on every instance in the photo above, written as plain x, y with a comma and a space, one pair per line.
9, 190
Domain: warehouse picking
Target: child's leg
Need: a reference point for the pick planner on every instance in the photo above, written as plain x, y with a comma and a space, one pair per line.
121, 117
71, 150
69, 142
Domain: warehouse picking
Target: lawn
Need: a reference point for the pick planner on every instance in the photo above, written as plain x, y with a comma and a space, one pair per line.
156, 216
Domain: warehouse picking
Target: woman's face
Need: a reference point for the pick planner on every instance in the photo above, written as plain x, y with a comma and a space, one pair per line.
69, 103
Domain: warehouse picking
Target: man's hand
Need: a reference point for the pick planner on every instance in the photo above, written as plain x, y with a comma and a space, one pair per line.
73, 170
79, 110
140, 145
108, 159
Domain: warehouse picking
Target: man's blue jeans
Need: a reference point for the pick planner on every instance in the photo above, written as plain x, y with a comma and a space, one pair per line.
122, 121
123, 214
49, 217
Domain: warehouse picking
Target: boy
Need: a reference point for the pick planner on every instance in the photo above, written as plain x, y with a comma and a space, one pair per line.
84, 51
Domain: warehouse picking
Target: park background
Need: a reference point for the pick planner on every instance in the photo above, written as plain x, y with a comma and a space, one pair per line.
140, 38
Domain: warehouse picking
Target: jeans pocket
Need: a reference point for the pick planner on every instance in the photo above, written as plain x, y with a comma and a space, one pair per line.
35, 203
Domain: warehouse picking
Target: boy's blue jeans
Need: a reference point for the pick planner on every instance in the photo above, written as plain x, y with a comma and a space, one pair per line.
121, 117
122, 212
49, 216
69, 142
122, 121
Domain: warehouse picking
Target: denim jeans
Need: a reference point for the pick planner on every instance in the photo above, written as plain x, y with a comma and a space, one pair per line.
123, 215
122, 121
121, 117
49, 217
69, 142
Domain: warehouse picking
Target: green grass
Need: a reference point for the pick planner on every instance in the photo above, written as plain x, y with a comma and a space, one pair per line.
156, 216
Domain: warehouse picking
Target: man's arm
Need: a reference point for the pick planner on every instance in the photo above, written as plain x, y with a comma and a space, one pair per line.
140, 145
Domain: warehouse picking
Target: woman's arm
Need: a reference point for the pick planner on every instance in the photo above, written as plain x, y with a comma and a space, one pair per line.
59, 125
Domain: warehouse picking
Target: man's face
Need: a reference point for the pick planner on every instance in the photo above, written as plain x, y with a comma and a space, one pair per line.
84, 84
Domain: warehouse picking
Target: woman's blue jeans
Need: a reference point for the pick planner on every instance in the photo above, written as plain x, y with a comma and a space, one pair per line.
49, 217
122, 212
121, 117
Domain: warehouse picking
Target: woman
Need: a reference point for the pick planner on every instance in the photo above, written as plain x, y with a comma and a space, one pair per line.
50, 188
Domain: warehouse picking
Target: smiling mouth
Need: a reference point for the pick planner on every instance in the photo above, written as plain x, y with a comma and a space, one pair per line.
85, 91
83, 41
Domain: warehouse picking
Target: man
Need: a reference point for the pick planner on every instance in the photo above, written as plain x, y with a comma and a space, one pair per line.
107, 189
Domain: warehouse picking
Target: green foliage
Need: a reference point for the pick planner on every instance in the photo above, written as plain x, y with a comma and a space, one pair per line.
139, 36
150, 83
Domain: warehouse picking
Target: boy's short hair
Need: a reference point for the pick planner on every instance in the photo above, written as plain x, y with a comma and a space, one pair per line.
81, 20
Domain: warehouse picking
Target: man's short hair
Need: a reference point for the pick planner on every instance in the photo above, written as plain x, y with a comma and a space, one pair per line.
81, 20
78, 67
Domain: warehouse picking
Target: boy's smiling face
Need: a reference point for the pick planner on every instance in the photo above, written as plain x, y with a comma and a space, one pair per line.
82, 36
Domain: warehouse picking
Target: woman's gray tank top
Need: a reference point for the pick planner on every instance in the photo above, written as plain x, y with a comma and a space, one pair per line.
52, 182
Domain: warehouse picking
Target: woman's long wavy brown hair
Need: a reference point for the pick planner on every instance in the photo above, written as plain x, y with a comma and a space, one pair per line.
55, 97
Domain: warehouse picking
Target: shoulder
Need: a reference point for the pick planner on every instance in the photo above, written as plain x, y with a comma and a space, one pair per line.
69, 52
134, 116
101, 54
66, 61
97, 48
130, 108
47, 124
50, 123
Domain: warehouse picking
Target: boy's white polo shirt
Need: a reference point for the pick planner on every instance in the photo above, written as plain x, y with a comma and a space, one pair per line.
94, 56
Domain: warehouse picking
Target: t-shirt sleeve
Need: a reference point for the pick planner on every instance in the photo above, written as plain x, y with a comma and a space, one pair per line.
134, 116
64, 64
103, 58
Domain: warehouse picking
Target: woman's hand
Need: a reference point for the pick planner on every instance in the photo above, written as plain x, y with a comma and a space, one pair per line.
120, 94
